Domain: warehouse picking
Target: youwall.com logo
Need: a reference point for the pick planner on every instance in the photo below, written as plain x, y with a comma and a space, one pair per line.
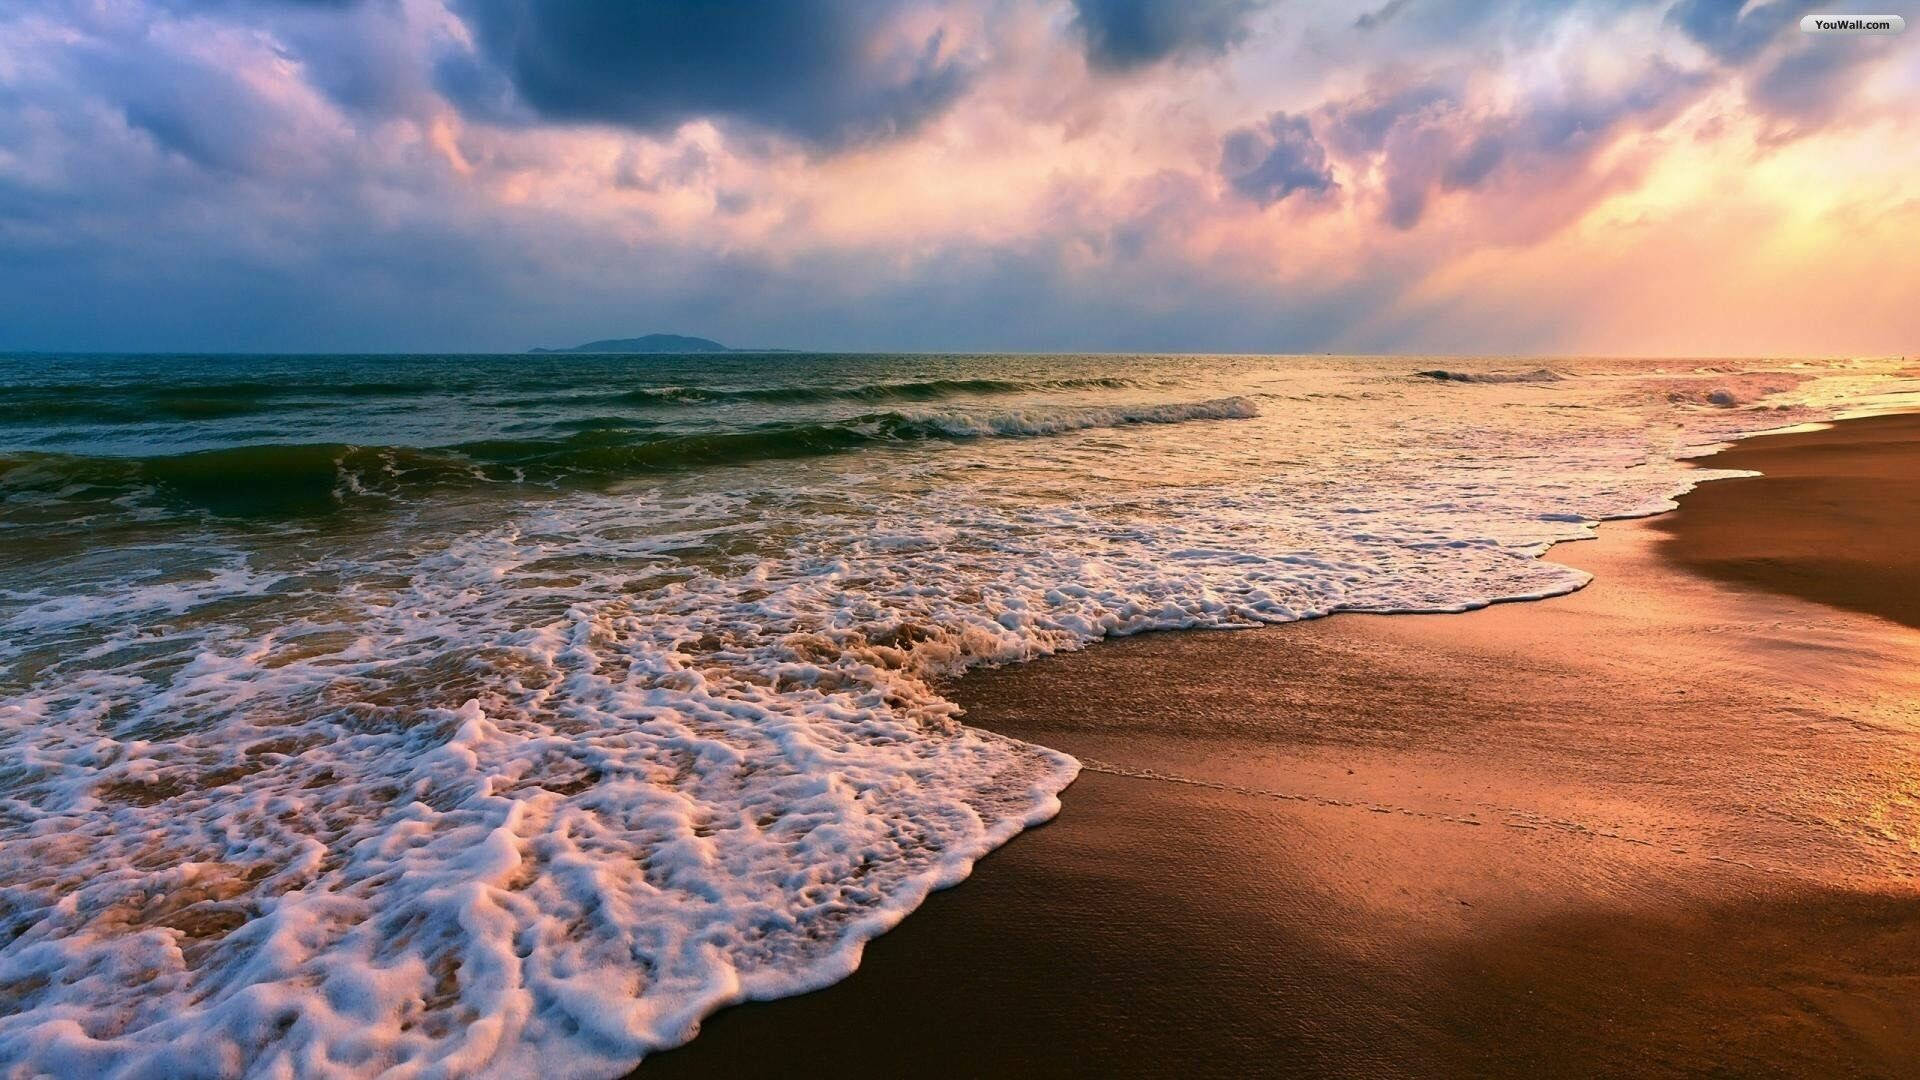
1853, 24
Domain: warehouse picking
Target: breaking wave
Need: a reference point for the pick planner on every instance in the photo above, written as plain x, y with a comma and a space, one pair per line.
1538, 375
529, 783
275, 480
108, 404
923, 390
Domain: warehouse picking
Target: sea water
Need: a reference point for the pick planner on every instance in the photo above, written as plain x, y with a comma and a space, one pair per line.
446, 714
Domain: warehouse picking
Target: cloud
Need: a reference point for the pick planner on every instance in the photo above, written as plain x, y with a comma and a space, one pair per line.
1380, 17
1812, 84
827, 72
1425, 29
173, 96
1795, 82
194, 110
1270, 161
1733, 31
1426, 136
1359, 125
235, 6
444, 174
1127, 35
367, 56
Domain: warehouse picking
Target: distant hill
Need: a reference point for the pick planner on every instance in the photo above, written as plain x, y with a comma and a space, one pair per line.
651, 343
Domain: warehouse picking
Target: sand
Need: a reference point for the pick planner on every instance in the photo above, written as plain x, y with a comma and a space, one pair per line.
1841, 507
1668, 825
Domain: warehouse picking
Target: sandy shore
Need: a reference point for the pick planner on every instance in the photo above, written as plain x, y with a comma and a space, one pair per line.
1841, 507
1668, 825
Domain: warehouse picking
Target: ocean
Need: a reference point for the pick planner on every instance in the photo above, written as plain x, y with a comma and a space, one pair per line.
513, 713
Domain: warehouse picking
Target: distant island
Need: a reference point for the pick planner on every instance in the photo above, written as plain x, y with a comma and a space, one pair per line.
650, 343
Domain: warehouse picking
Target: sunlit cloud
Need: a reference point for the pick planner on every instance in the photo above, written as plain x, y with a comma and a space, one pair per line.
1421, 175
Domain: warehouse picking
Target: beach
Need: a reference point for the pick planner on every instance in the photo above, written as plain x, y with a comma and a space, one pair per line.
977, 538
1666, 825
528, 713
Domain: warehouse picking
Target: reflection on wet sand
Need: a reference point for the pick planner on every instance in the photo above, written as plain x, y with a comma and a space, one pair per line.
1663, 826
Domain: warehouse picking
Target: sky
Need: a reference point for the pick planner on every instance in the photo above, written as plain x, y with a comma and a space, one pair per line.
1671, 177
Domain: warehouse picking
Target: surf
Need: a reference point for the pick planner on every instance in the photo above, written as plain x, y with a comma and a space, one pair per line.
282, 479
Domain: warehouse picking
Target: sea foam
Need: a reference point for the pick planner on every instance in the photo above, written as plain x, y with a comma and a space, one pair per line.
528, 780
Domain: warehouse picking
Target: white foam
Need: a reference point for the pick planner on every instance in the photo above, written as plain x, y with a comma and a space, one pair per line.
531, 792
1057, 421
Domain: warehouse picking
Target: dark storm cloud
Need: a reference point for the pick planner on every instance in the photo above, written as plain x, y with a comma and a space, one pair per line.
1124, 35
819, 70
1730, 29
1270, 161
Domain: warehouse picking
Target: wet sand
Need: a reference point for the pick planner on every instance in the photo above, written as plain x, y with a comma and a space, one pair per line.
1841, 508
1666, 826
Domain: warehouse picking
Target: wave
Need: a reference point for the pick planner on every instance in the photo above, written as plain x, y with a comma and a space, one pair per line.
125, 411
620, 450
110, 404
244, 481
1538, 375
533, 791
255, 389
1058, 421
291, 479
207, 401
923, 390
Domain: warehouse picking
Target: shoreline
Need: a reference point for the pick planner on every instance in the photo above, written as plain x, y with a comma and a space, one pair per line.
1379, 845
1810, 480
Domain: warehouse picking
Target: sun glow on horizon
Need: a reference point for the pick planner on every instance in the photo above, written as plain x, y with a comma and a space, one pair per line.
1255, 177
